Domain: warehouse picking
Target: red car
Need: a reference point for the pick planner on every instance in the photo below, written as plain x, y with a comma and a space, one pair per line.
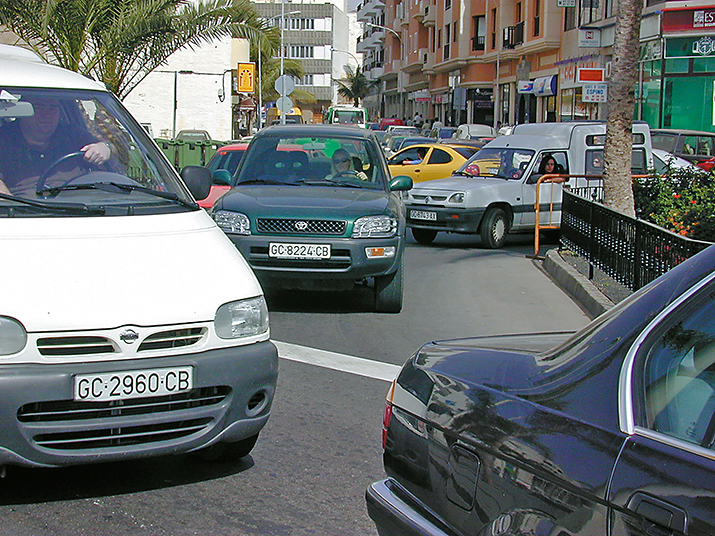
227, 157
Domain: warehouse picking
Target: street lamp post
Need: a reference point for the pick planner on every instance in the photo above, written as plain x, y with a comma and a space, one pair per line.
357, 65
399, 74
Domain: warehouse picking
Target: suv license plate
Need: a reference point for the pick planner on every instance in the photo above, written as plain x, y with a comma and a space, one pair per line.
132, 384
299, 251
423, 215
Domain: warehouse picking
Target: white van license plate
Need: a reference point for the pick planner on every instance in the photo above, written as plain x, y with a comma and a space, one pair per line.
299, 251
423, 215
132, 384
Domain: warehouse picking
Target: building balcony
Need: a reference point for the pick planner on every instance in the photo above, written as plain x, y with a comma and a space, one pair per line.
374, 72
369, 9
370, 40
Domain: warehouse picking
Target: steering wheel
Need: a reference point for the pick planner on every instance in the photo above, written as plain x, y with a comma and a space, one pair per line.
350, 174
84, 165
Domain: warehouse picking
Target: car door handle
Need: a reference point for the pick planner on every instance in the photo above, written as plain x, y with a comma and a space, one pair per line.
662, 518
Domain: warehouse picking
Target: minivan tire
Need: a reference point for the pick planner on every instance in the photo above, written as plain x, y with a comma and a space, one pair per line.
495, 227
424, 236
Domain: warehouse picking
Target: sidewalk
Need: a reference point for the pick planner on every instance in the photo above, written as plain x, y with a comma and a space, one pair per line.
570, 271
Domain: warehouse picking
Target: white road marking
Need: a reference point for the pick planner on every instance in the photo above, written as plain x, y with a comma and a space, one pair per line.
344, 363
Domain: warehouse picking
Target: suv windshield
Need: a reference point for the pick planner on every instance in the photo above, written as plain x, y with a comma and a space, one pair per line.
324, 161
68, 152
501, 162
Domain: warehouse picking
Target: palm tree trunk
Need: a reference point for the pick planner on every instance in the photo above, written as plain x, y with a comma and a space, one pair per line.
618, 182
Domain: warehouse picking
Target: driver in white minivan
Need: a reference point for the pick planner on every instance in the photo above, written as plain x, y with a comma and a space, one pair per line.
35, 142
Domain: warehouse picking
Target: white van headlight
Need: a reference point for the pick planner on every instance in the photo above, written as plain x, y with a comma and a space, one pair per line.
13, 336
242, 318
375, 227
232, 222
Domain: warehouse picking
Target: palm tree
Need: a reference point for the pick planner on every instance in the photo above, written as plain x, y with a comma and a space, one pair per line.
354, 85
119, 42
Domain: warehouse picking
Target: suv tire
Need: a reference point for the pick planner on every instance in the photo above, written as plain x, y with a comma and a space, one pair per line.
388, 291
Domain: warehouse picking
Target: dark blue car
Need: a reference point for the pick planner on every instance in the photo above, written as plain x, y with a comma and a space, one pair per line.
608, 431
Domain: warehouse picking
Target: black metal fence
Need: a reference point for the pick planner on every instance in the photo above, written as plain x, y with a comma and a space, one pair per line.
631, 251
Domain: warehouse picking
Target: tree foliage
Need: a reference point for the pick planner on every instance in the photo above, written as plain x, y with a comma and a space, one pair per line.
354, 85
119, 42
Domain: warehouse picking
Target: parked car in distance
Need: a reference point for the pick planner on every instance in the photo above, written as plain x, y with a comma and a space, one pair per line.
225, 158
663, 162
474, 131
440, 133
193, 135
692, 145
313, 207
405, 130
608, 431
108, 352
440, 161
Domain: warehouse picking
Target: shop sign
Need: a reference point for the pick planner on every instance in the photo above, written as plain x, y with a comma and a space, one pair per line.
421, 96
594, 93
545, 86
681, 20
590, 38
525, 86
688, 47
566, 3
590, 75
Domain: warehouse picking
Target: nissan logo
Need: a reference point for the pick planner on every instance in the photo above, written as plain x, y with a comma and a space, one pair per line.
301, 226
129, 336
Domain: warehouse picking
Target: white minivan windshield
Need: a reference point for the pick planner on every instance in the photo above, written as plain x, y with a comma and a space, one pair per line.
76, 152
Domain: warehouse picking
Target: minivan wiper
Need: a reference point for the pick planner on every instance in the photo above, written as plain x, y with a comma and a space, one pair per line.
78, 208
110, 186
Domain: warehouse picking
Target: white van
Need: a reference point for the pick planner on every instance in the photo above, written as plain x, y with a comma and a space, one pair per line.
117, 338
494, 192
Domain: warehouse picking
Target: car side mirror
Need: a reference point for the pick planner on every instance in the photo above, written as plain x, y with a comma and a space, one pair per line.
401, 183
198, 180
222, 177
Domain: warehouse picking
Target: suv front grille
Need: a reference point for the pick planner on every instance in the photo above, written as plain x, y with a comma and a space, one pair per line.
302, 227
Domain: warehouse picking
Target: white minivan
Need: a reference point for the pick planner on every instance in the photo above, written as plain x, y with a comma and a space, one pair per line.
130, 325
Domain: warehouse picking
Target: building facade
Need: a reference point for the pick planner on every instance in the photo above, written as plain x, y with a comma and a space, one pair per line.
516, 61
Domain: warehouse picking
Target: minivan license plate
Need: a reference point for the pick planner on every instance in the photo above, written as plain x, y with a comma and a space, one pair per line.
423, 215
132, 384
299, 251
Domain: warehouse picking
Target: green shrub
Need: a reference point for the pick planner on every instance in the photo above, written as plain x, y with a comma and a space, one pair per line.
682, 201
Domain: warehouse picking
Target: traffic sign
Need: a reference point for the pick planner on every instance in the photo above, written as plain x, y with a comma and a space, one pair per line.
284, 104
284, 85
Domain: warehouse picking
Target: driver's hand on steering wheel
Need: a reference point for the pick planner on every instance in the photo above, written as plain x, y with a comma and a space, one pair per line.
97, 153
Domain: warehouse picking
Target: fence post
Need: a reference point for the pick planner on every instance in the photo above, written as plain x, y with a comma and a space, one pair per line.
638, 261
591, 241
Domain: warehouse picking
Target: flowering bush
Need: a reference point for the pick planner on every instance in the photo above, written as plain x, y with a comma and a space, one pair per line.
682, 201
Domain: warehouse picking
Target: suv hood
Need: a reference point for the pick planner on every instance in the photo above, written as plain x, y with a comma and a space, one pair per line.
79, 273
304, 202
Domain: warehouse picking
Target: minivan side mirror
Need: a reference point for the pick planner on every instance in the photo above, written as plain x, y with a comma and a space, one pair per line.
198, 180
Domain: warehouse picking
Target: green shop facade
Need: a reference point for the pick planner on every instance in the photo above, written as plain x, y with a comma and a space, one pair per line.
677, 72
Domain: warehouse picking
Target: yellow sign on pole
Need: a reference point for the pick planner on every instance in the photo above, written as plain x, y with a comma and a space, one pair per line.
246, 77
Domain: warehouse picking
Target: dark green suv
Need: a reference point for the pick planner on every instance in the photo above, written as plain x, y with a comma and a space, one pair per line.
314, 207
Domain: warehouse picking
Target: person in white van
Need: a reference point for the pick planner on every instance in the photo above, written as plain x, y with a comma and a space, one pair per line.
33, 143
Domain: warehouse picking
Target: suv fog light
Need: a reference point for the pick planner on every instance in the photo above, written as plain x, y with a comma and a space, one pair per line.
376, 253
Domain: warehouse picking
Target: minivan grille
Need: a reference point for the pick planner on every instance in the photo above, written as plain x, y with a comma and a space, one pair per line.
75, 345
302, 227
176, 338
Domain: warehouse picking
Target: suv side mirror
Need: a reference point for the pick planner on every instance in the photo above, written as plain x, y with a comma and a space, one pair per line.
401, 183
198, 180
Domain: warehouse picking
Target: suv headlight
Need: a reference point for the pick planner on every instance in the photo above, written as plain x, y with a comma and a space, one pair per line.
242, 318
375, 227
13, 336
232, 222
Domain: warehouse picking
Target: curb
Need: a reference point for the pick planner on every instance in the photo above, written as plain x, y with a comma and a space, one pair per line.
575, 284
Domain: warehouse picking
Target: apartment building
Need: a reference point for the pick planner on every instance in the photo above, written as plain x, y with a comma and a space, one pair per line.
517, 61
317, 34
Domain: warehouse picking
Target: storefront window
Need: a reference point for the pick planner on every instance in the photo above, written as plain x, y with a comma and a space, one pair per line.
688, 103
703, 65
676, 65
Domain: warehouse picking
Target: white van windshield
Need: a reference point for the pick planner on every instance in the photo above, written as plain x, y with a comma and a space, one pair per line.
501, 162
71, 152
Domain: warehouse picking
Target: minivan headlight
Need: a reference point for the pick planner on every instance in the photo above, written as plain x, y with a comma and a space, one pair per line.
232, 222
242, 318
13, 336
375, 227
456, 198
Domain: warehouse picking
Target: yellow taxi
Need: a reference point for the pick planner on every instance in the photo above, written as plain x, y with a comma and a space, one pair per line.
428, 161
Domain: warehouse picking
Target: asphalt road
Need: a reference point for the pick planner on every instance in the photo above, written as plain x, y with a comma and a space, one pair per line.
321, 448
